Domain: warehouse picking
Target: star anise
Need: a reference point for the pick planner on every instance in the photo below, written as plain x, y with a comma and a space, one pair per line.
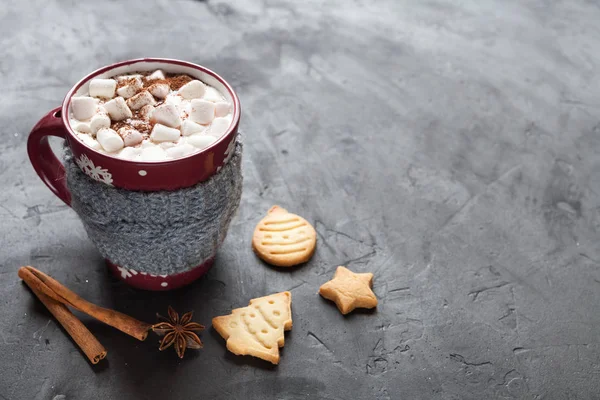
178, 331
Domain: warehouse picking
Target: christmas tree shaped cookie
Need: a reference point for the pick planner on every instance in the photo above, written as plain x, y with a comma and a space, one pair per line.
257, 330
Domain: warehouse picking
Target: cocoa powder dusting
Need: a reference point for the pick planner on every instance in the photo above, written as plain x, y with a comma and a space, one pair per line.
174, 81
177, 81
125, 82
120, 124
148, 83
135, 123
143, 125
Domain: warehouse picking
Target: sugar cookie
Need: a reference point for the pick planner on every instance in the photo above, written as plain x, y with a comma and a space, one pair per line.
284, 239
349, 290
257, 330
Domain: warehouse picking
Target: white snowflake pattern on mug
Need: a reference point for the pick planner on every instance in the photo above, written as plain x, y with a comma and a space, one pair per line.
228, 153
124, 272
95, 172
128, 273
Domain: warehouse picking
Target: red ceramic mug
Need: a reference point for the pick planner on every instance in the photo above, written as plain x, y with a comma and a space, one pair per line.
134, 175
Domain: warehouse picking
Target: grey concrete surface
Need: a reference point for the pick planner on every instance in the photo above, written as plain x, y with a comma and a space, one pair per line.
450, 147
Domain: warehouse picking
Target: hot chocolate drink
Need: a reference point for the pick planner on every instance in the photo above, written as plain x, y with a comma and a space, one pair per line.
150, 116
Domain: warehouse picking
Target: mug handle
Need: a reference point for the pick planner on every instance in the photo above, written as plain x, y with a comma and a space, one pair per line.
44, 161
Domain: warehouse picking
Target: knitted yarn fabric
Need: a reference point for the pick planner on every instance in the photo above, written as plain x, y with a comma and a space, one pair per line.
161, 233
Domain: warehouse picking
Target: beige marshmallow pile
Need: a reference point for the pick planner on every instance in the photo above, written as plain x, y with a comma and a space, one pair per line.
183, 122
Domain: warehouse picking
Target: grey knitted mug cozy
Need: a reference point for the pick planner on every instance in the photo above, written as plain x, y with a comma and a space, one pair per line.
161, 233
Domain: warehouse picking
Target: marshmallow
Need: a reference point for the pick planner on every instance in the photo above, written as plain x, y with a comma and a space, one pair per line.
213, 95
117, 109
98, 122
167, 145
131, 88
83, 107
147, 143
222, 108
219, 126
146, 112
200, 141
189, 127
89, 141
140, 100
104, 88
202, 111
131, 137
192, 90
109, 140
158, 74
129, 153
83, 127
174, 99
162, 133
159, 90
181, 150
126, 77
167, 114
183, 107
153, 153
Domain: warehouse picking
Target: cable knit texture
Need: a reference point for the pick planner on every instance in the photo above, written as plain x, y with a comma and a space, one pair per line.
161, 233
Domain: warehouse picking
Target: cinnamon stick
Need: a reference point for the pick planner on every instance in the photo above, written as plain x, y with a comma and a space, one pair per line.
87, 342
54, 289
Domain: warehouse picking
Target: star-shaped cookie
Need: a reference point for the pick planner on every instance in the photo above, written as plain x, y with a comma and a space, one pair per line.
349, 290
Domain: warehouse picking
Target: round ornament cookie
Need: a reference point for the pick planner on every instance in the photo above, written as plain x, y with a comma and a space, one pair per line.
284, 239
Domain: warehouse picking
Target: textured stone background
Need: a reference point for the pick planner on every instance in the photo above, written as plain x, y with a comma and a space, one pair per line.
451, 147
